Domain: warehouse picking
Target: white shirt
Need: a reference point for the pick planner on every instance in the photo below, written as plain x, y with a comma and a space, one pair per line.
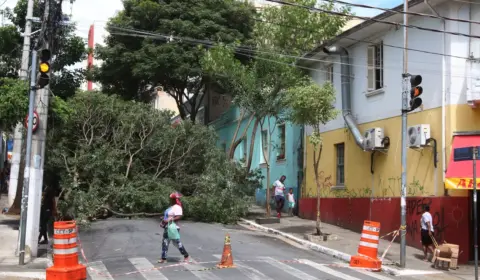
426, 217
175, 210
290, 197
279, 188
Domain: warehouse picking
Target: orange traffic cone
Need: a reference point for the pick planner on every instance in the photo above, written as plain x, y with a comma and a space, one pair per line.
227, 259
368, 248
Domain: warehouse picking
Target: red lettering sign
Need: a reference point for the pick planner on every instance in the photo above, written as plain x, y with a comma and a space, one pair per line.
462, 184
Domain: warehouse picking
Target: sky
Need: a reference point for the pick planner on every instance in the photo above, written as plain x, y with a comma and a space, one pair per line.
87, 12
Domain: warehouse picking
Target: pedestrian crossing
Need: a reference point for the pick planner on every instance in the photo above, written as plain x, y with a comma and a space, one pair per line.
256, 268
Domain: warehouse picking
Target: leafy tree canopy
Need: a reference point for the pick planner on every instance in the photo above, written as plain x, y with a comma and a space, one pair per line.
171, 39
13, 102
68, 49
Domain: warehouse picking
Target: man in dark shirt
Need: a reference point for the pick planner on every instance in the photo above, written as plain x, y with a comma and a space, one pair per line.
47, 210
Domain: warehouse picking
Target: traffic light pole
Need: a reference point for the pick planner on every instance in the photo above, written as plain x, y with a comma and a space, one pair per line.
403, 191
475, 215
26, 181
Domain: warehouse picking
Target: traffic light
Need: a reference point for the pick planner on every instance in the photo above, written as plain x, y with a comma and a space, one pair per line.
415, 91
44, 68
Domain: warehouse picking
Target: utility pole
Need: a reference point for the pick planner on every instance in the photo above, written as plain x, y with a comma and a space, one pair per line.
18, 135
23, 213
38, 147
405, 91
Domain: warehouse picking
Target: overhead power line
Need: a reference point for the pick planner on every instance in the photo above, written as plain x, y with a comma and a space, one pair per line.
402, 12
367, 41
372, 19
244, 50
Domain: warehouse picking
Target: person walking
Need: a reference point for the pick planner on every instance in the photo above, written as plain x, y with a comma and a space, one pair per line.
426, 233
279, 191
173, 214
291, 202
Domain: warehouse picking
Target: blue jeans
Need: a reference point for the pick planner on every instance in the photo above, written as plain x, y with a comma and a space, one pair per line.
176, 243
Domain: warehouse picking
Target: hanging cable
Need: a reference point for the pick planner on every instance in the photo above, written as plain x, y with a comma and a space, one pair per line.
373, 19
402, 12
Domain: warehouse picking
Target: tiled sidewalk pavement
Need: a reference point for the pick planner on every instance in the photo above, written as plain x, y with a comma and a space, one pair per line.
346, 241
9, 268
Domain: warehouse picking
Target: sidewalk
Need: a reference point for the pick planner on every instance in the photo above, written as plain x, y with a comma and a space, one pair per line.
347, 241
9, 267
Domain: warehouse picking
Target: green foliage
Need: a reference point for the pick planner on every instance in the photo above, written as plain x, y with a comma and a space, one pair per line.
13, 102
296, 30
260, 86
68, 49
311, 104
10, 51
126, 156
133, 65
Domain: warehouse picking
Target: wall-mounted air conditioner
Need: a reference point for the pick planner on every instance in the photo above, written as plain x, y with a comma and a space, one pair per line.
374, 139
417, 135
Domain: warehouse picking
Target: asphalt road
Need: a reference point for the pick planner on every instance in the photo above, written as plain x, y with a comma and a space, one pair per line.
129, 249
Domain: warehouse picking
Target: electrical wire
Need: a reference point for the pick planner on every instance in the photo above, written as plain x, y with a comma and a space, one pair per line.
248, 52
402, 12
368, 42
151, 35
373, 19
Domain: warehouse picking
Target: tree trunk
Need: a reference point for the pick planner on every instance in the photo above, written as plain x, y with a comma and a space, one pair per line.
252, 144
17, 202
238, 141
268, 213
232, 144
316, 163
318, 224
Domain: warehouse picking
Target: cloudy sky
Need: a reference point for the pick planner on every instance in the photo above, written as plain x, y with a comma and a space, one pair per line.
87, 12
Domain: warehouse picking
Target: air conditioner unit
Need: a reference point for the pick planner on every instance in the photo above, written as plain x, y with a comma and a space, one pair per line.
374, 139
418, 134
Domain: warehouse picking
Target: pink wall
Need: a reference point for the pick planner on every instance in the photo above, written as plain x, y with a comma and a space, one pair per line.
451, 217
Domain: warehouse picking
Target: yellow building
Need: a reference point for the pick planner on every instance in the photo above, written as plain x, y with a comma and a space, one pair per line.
361, 161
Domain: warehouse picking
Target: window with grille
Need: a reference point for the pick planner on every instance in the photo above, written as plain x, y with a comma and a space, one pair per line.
329, 73
375, 67
281, 142
340, 149
264, 150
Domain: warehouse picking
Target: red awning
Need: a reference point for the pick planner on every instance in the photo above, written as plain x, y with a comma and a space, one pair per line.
459, 174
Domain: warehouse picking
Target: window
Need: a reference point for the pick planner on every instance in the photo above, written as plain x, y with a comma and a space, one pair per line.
281, 144
329, 73
264, 146
243, 156
224, 147
375, 67
340, 148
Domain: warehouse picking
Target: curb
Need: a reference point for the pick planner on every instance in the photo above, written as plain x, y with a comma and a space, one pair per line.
315, 247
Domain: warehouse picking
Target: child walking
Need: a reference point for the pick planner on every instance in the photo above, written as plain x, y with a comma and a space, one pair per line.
291, 201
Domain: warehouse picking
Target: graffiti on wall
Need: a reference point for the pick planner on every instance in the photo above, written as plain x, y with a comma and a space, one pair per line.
389, 187
414, 214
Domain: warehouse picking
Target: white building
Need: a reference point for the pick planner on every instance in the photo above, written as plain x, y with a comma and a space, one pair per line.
368, 81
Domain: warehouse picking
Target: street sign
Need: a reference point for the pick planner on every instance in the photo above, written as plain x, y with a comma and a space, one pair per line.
36, 121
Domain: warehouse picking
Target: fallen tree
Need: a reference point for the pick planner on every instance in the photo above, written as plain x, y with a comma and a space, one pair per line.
126, 157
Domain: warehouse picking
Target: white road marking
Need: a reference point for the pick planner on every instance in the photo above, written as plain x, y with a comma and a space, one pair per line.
98, 271
202, 275
328, 270
248, 271
288, 269
147, 270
